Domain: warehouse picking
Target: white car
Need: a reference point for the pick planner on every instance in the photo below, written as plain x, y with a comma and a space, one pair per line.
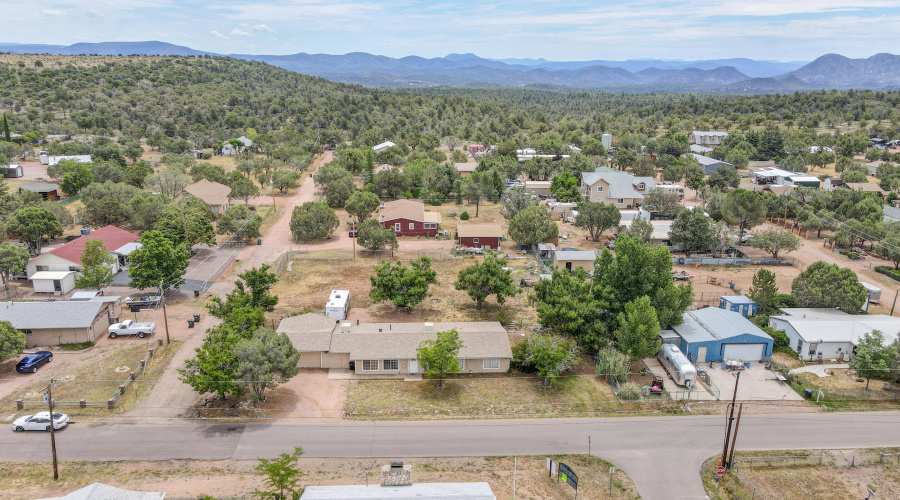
40, 422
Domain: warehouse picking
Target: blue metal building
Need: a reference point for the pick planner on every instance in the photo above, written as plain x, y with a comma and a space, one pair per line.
739, 304
714, 334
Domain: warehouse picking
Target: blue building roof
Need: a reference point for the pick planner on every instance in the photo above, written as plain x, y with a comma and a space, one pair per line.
712, 324
738, 299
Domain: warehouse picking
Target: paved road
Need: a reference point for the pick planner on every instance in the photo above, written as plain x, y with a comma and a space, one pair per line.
661, 454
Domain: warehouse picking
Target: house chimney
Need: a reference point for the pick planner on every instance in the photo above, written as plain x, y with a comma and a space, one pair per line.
429, 327
345, 327
396, 474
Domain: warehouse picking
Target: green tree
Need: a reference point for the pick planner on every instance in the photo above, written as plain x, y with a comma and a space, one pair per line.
694, 177
477, 187
515, 200
764, 291
252, 289
12, 341
187, 222
168, 182
284, 179
872, 357
565, 187
775, 241
531, 226
361, 205
339, 191
640, 228
486, 278
281, 477
97, 262
374, 236
666, 204
828, 285
744, 209
691, 232
638, 333
440, 357
888, 248
550, 355
570, 304
213, 368
612, 365
314, 220
13, 260
240, 222
265, 360
624, 158
403, 286
31, 225
597, 217
723, 177
75, 176
158, 264
243, 188
390, 184
853, 176
137, 173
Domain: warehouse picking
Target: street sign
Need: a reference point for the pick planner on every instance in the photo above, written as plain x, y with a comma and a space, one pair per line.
720, 470
567, 475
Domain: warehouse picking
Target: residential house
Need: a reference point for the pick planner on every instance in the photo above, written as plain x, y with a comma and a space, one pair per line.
13, 171
703, 150
486, 236
830, 333
60, 321
779, 177
48, 160
391, 348
868, 187
714, 334
409, 218
47, 190
710, 138
538, 188
741, 304
100, 491
710, 165
621, 189
573, 259
465, 169
383, 146
561, 209
216, 195
68, 256
832, 182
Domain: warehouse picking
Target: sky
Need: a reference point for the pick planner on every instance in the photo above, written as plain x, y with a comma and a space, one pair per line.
560, 30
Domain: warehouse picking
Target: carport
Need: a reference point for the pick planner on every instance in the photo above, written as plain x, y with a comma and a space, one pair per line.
714, 335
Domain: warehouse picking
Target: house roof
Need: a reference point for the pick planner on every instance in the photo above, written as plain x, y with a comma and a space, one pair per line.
213, 193
696, 148
55, 314
621, 184
245, 141
833, 325
39, 187
434, 491
407, 209
869, 187
574, 255
309, 332
51, 275
112, 237
538, 184
384, 145
479, 230
738, 299
100, 491
709, 133
713, 324
891, 212
465, 167
707, 161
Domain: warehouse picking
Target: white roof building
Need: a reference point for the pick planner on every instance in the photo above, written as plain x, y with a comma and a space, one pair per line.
831, 333
53, 160
383, 146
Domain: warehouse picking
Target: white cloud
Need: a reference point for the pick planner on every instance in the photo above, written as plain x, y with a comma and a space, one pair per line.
53, 12
239, 32
262, 27
218, 35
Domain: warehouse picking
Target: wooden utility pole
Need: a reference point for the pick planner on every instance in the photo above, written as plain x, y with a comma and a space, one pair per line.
730, 420
52, 429
895, 302
737, 426
166, 321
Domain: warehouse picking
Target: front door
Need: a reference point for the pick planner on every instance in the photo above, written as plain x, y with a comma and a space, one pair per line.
701, 355
57, 285
568, 266
413, 366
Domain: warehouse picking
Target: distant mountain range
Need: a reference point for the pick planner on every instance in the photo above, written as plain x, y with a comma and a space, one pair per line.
739, 75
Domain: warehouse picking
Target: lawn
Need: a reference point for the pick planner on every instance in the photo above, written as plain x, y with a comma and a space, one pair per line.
833, 480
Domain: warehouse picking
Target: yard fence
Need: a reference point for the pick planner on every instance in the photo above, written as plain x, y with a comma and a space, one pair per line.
109, 403
734, 261
283, 263
879, 392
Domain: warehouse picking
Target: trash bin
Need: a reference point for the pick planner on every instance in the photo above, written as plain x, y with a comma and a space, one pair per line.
681, 261
259, 241
807, 393
190, 323
196, 317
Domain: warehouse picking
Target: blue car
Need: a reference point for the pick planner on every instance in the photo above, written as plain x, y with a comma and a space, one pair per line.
30, 363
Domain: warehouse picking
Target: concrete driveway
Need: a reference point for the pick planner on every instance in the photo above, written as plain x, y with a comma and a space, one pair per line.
820, 370
757, 383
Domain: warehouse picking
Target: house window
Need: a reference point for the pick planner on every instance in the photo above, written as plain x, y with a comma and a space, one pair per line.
491, 363
370, 365
397, 227
412, 225
42, 268
75, 268
391, 364
599, 189
215, 209
475, 241
462, 363
430, 225
620, 201
799, 344
641, 186
25, 331
813, 348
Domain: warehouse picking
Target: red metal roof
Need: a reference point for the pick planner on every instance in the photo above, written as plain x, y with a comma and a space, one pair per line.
112, 237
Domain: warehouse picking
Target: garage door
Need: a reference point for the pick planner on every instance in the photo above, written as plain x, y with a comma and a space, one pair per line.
744, 352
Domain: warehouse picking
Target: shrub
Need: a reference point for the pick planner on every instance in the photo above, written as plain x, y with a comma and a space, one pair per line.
464, 216
888, 271
206, 155
612, 365
782, 342
435, 200
520, 353
630, 392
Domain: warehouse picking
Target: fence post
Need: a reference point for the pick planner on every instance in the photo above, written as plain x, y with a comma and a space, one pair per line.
82, 403
853, 461
21, 405
122, 389
110, 403
881, 458
821, 456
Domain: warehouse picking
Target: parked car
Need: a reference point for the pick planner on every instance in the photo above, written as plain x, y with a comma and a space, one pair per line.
129, 327
135, 304
30, 363
40, 422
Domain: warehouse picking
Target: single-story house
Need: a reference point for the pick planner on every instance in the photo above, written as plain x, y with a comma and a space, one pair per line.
702, 150
464, 169
831, 183
572, 259
228, 149
867, 187
830, 333
216, 195
561, 209
479, 235
55, 282
538, 188
710, 165
409, 218
391, 348
383, 146
100, 491
739, 304
53, 160
13, 170
60, 321
68, 257
621, 189
47, 190
777, 176
711, 138
890, 213
714, 335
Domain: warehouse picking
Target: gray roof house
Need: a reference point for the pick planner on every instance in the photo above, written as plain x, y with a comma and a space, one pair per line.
61, 322
714, 334
830, 333
710, 164
391, 348
619, 188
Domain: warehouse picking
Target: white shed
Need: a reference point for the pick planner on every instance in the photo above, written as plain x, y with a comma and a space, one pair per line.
338, 304
873, 291
55, 282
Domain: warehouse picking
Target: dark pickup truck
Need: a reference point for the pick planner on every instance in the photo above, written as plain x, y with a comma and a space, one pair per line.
135, 304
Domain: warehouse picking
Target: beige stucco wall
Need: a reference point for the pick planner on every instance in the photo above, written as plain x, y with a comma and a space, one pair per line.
57, 336
323, 360
473, 365
587, 265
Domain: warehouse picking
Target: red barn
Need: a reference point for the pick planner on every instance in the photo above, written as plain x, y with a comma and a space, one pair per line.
479, 235
409, 218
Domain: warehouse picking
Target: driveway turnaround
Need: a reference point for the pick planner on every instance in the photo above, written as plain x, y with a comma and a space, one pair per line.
662, 455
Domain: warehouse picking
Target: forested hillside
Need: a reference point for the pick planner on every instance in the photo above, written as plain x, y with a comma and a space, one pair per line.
205, 99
